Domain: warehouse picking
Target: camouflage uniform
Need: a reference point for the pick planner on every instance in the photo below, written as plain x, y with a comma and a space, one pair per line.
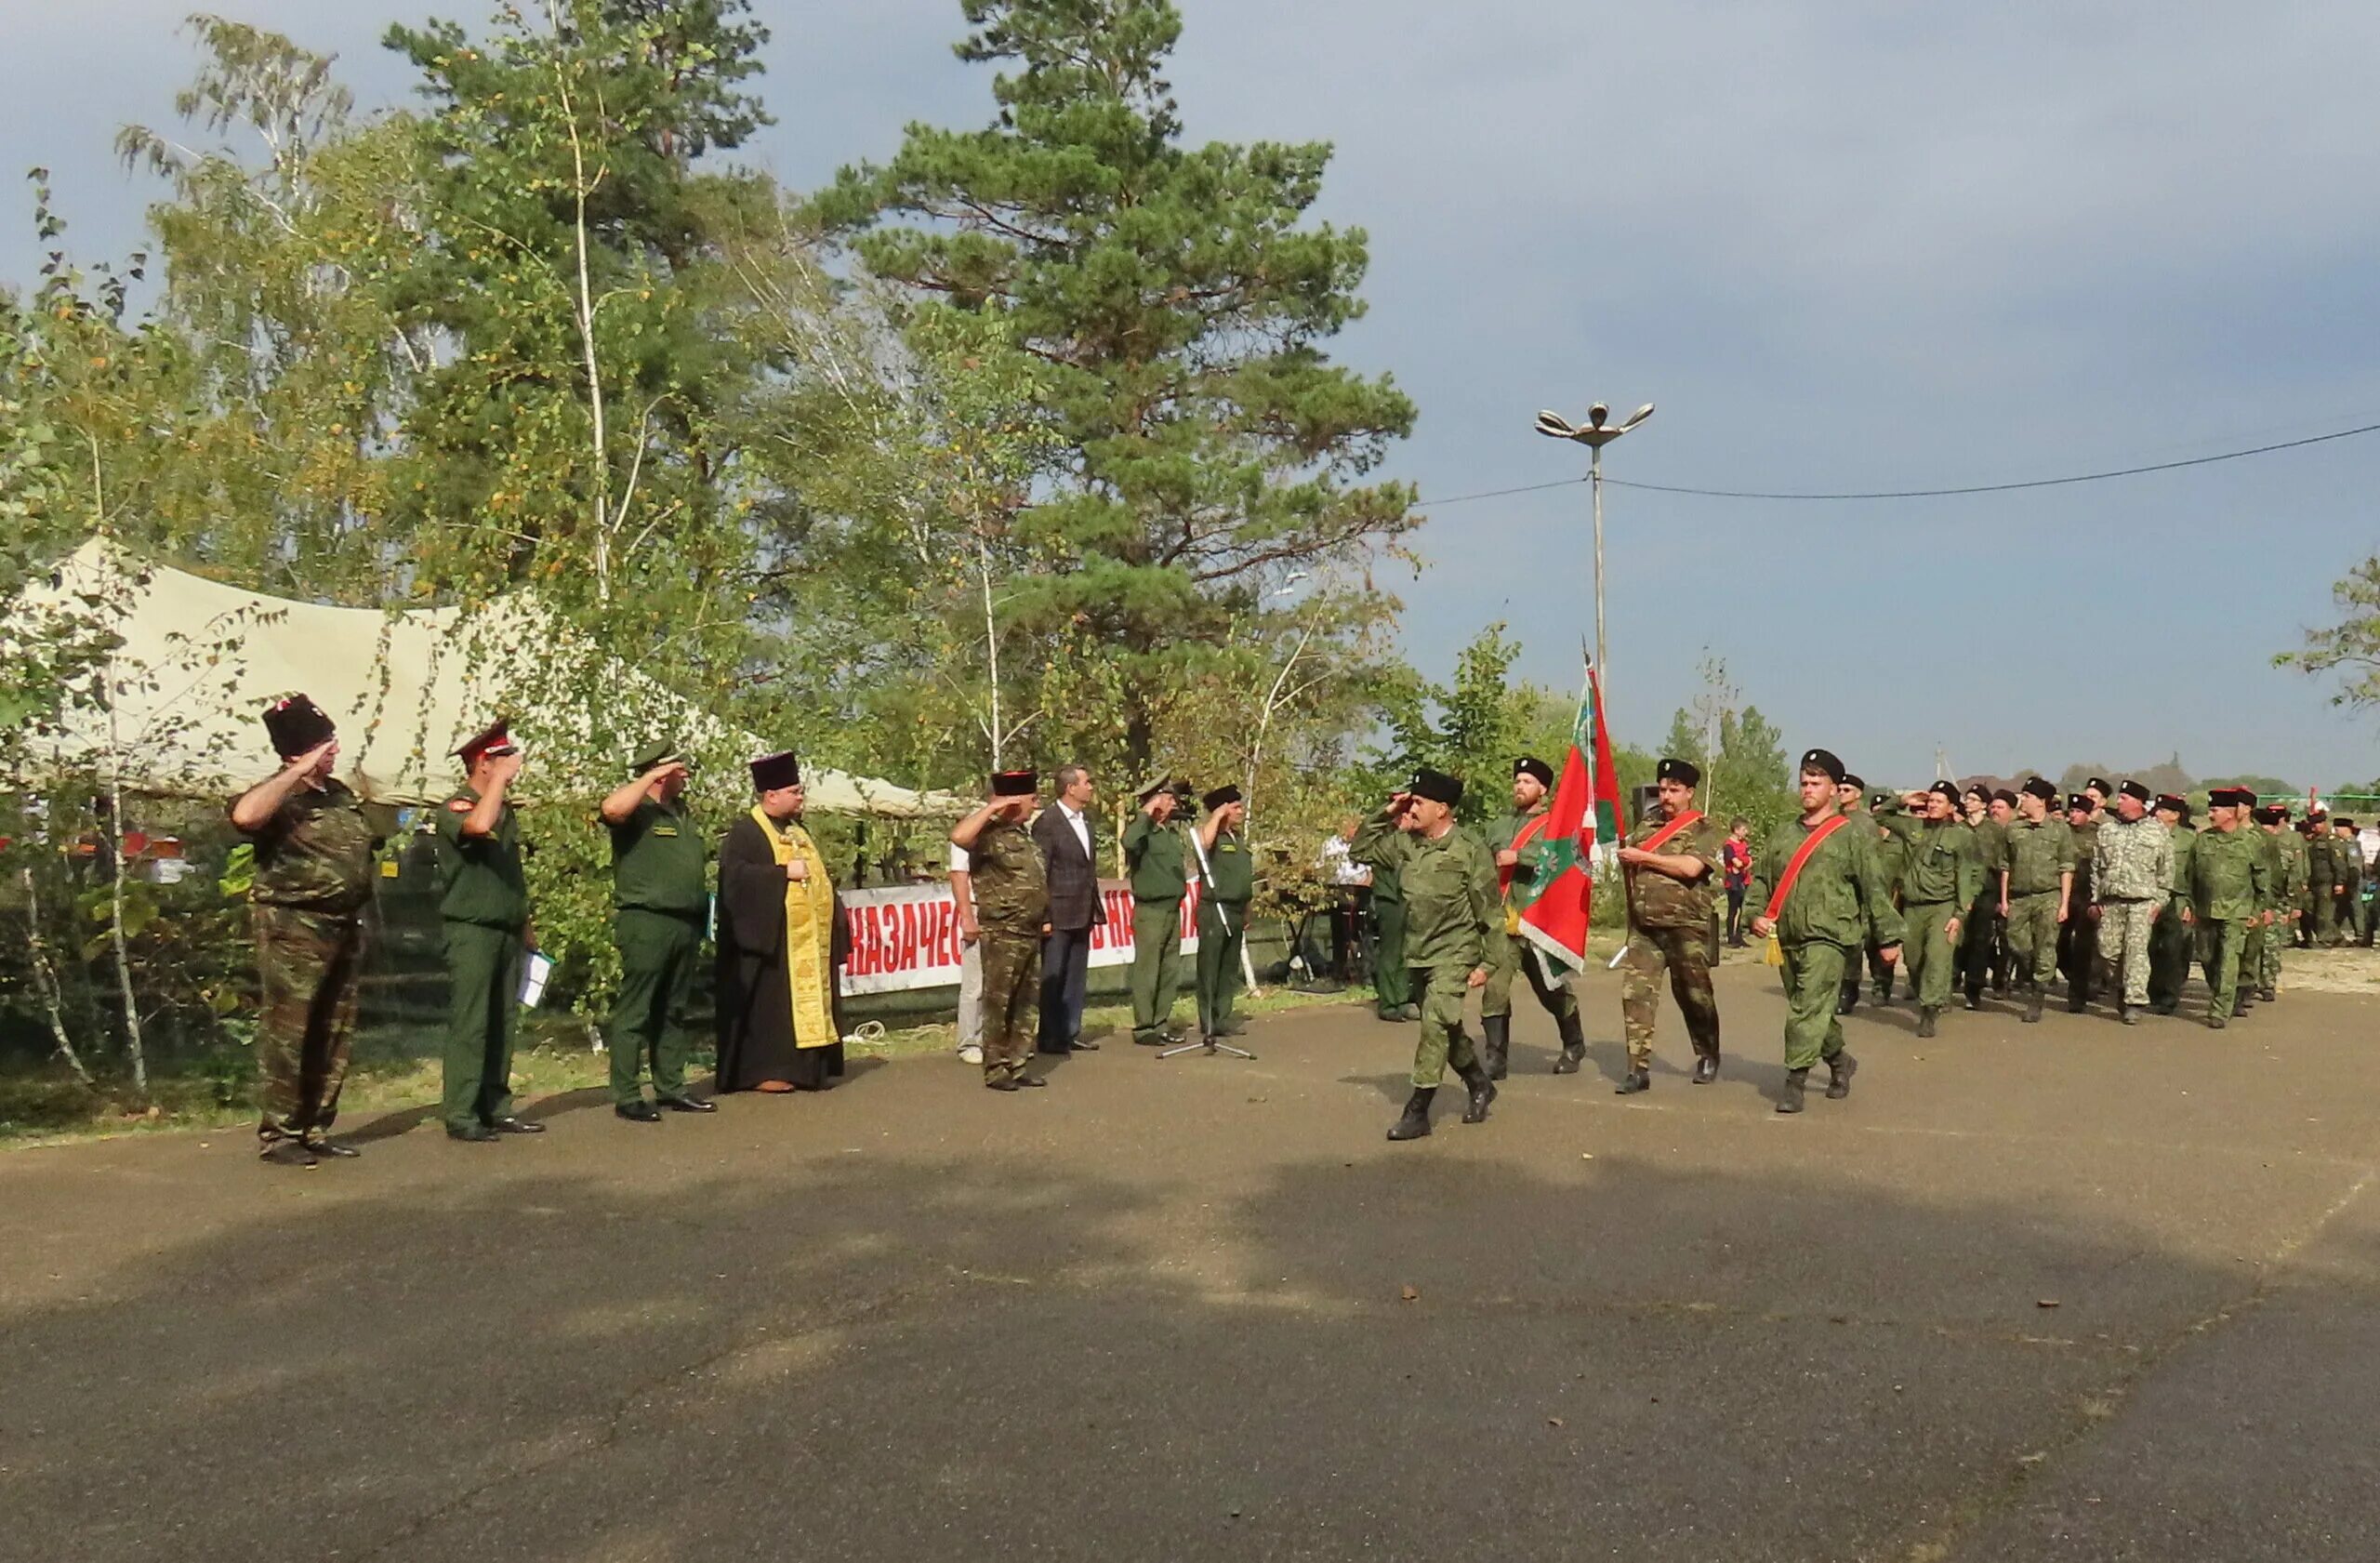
1496, 998
2288, 888
1892, 862
1454, 924
2321, 873
2132, 868
313, 881
2171, 939
2261, 935
2076, 948
2034, 857
1941, 879
1012, 902
1839, 906
1983, 938
2228, 889
2348, 858
1669, 926
1381, 847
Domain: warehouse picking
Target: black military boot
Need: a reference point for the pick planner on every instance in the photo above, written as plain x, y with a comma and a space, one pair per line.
1496, 1052
1850, 999
1840, 1068
2033, 998
1706, 1065
1796, 1081
1416, 1122
1634, 1081
1885, 988
2267, 995
1574, 1044
1975, 997
1925, 1014
1482, 1089
2126, 1014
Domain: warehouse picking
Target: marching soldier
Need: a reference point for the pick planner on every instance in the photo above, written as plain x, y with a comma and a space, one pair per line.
483, 906
313, 851
1509, 836
1851, 796
1222, 910
2347, 861
659, 901
1380, 846
2228, 889
2036, 882
1983, 943
2132, 869
1672, 861
2288, 887
2260, 929
1942, 882
2075, 944
1892, 859
1454, 920
2318, 926
2170, 941
1155, 863
1011, 891
1822, 895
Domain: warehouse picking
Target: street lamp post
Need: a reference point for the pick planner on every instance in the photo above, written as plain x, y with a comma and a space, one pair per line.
1596, 433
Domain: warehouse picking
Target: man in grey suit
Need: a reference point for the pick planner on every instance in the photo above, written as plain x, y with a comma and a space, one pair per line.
1070, 857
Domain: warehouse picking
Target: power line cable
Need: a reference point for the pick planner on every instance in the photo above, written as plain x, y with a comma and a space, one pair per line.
1925, 493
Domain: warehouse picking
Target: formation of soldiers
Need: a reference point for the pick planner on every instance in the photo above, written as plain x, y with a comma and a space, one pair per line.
2120, 893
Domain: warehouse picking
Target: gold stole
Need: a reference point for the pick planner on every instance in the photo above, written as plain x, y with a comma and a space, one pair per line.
809, 932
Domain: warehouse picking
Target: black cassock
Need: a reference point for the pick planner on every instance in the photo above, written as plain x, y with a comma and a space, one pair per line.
756, 1040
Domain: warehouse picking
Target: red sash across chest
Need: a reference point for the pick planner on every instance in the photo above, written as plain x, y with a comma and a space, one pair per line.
1800, 860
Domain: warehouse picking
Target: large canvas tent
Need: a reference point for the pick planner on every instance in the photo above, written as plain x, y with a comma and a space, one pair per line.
198, 660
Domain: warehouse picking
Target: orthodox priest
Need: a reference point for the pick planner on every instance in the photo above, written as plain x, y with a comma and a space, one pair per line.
777, 1030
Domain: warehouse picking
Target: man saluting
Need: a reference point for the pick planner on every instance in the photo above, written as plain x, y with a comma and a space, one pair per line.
1823, 897
659, 860
484, 908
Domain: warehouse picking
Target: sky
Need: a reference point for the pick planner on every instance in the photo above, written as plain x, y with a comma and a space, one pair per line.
1842, 245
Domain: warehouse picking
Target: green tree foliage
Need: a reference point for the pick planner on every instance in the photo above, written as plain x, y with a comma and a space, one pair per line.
2351, 647
1181, 301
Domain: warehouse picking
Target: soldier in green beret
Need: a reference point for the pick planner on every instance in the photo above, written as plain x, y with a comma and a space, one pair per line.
1156, 863
659, 902
483, 909
313, 884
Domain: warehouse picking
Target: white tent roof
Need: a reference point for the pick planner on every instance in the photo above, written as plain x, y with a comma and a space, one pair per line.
201, 660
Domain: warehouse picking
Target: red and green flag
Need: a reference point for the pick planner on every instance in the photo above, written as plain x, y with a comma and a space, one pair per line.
1584, 814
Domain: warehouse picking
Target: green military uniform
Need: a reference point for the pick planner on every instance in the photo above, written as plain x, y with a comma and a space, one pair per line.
2347, 861
1381, 847
1892, 862
2229, 889
1455, 924
2261, 935
1941, 879
1837, 905
1223, 926
1668, 929
2321, 873
659, 901
2132, 870
1512, 959
2300, 930
2173, 940
1012, 890
1155, 861
2036, 857
483, 909
312, 887
1983, 937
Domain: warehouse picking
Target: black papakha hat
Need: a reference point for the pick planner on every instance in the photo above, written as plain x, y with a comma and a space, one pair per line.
2175, 801
1825, 763
2076, 800
2133, 790
1227, 793
296, 725
2268, 815
1852, 780
1014, 784
2099, 785
2037, 787
2232, 798
1676, 770
1437, 786
770, 772
1946, 789
1530, 766
2005, 796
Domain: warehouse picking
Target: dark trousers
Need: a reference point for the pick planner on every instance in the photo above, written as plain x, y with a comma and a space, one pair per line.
1736, 893
1065, 967
657, 955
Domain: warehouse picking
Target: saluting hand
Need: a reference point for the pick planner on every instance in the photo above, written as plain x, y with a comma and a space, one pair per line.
304, 763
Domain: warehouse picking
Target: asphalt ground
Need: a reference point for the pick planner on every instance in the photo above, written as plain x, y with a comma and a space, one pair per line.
2074, 1292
